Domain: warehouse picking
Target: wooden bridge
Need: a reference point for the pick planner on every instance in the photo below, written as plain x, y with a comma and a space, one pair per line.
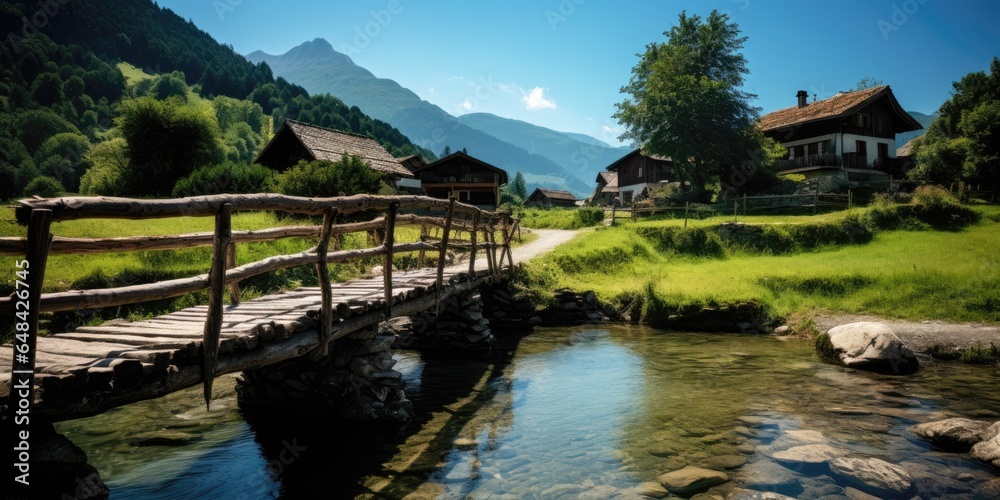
92, 369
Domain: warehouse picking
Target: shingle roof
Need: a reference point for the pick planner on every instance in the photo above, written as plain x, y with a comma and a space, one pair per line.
554, 194
614, 166
330, 145
839, 105
610, 180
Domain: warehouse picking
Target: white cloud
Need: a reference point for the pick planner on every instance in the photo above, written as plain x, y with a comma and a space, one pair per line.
468, 105
608, 129
535, 99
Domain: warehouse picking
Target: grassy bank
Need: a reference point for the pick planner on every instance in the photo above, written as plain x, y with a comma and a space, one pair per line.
899, 261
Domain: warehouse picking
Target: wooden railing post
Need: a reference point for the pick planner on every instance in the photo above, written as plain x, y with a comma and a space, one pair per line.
326, 294
390, 240
234, 287
508, 230
442, 254
472, 238
216, 288
422, 259
491, 251
32, 269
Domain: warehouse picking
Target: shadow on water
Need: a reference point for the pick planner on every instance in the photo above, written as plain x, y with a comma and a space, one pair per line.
307, 454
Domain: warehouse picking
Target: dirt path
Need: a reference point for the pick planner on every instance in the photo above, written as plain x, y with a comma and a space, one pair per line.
548, 239
922, 336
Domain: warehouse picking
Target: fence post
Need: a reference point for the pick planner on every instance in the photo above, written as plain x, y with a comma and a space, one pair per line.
216, 287
390, 240
472, 238
326, 294
686, 205
613, 209
23, 364
736, 209
744, 203
442, 253
234, 287
816, 199
424, 233
850, 199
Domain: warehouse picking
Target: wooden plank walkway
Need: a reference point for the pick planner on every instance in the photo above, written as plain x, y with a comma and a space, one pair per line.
95, 368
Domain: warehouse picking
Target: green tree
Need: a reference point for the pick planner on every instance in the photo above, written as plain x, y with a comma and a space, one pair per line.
446, 152
44, 186
169, 85
963, 143
47, 89
62, 157
686, 99
109, 168
166, 141
518, 187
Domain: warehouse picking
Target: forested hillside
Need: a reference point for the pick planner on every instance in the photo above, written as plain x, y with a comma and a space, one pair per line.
66, 106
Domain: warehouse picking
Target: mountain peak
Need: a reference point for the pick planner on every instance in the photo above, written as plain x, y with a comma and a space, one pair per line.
316, 50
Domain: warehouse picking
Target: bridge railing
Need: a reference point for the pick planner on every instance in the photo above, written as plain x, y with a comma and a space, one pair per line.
391, 212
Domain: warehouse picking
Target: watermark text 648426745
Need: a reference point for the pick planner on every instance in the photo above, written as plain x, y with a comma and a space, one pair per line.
21, 376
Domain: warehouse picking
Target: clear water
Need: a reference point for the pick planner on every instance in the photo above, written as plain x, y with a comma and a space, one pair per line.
569, 412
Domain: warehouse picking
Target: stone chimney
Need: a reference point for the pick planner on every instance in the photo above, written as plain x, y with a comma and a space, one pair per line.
803, 96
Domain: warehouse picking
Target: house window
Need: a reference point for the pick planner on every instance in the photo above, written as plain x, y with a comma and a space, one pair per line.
814, 148
640, 172
861, 147
862, 120
824, 146
800, 151
883, 150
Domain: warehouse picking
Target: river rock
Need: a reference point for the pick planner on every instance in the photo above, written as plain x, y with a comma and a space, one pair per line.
953, 434
873, 476
768, 476
867, 346
651, 489
989, 450
691, 480
745, 494
989, 489
809, 455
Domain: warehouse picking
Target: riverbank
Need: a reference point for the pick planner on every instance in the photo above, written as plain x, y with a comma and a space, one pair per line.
928, 269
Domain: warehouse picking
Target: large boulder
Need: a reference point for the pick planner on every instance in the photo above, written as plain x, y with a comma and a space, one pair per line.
690, 480
873, 476
867, 346
953, 434
988, 450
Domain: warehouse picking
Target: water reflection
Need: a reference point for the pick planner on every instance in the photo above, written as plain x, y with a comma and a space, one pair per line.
565, 411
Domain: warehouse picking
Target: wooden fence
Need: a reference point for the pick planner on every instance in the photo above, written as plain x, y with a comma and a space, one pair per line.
741, 205
390, 212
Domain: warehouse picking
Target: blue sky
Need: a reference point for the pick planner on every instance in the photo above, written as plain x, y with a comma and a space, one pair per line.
561, 63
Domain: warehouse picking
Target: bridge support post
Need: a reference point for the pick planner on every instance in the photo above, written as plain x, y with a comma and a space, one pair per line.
355, 382
460, 323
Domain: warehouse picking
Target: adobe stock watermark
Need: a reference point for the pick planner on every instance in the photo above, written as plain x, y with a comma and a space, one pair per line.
562, 12
364, 35
224, 7
47, 10
900, 16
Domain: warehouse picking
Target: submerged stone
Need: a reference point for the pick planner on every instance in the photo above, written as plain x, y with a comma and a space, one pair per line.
873, 476
953, 434
691, 480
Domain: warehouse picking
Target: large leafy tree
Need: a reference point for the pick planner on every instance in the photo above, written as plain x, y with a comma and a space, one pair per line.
963, 143
686, 99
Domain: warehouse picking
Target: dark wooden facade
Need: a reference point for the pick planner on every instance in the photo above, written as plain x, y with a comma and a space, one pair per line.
636, 168
466, 178
548, 198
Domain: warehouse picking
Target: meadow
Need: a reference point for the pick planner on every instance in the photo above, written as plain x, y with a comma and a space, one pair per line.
897, 261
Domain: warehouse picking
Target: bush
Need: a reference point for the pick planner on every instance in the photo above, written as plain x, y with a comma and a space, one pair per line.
937, 207
44, 186
589, 216
224, 178
693, 241
350, 175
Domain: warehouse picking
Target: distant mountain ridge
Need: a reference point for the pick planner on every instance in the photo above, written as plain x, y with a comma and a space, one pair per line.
509, 144
925, 120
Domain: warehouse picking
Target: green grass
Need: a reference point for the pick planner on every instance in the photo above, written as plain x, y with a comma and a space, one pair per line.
562, 218
952, 275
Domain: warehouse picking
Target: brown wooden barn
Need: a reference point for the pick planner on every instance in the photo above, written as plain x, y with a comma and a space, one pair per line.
636, 171
466, 178
296, 141
549, 198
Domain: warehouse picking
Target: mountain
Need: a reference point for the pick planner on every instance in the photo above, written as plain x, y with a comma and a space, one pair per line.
319, 68
580, 154
925, 120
